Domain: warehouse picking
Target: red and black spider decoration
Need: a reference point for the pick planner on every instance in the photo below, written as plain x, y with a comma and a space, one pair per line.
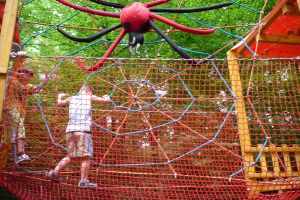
136, 19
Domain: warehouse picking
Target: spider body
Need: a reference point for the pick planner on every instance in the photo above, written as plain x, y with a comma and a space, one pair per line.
136, 19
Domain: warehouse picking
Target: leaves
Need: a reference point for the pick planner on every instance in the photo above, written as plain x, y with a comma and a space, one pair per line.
37, 17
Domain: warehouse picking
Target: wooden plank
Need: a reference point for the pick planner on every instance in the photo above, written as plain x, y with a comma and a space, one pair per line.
275, 161
277, 184
266, 56
287, 161
243, 129
273, 175
297, 157
265, 23
6, 37
273, 148
275, 187
236, 86
279, 39
263, 160
290, 9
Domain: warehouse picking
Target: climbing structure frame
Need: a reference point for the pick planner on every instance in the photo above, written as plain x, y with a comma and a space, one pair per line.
222, 129
277, 36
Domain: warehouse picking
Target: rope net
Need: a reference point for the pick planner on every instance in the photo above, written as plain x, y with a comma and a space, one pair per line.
170, 131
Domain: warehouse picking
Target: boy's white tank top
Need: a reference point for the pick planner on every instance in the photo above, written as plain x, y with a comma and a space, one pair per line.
80, 113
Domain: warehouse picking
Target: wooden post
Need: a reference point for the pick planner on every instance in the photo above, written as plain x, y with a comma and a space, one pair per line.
6, 37
236, 86
243, 129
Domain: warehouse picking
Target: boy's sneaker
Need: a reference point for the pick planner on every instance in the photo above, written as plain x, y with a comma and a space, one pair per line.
87, 184
53, 175
22, 158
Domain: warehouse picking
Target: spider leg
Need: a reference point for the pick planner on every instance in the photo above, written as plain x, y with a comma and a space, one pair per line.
155, 3
189, 10
169, 41
88, 10
181, 27
111, 4
105, 56
91, 38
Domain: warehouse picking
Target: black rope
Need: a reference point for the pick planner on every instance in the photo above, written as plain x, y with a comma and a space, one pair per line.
169, 41
111, 4
189, 10
91, 38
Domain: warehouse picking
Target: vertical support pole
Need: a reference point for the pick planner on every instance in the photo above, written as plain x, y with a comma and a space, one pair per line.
297, 156
275, 160
287, 161
6, 37
243, 129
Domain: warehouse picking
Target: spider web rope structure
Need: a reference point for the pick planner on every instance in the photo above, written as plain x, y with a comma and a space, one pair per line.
179, 140
170, 130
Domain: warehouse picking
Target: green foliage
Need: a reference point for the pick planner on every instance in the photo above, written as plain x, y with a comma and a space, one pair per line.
52, 43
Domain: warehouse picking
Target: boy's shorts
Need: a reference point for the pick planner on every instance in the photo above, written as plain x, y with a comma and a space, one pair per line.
16, 122
80, 144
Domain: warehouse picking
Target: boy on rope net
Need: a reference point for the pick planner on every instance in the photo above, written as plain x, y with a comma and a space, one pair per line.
16, 106
78, 133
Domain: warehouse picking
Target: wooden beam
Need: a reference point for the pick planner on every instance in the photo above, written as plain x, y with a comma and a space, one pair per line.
287, 161
280, 184
274, 149
297, 158
263, 160
265, 23
273, 175
236, 86
290, 9
6, 37
265, 56
279, 39
275, 161
243, 129
277, 187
